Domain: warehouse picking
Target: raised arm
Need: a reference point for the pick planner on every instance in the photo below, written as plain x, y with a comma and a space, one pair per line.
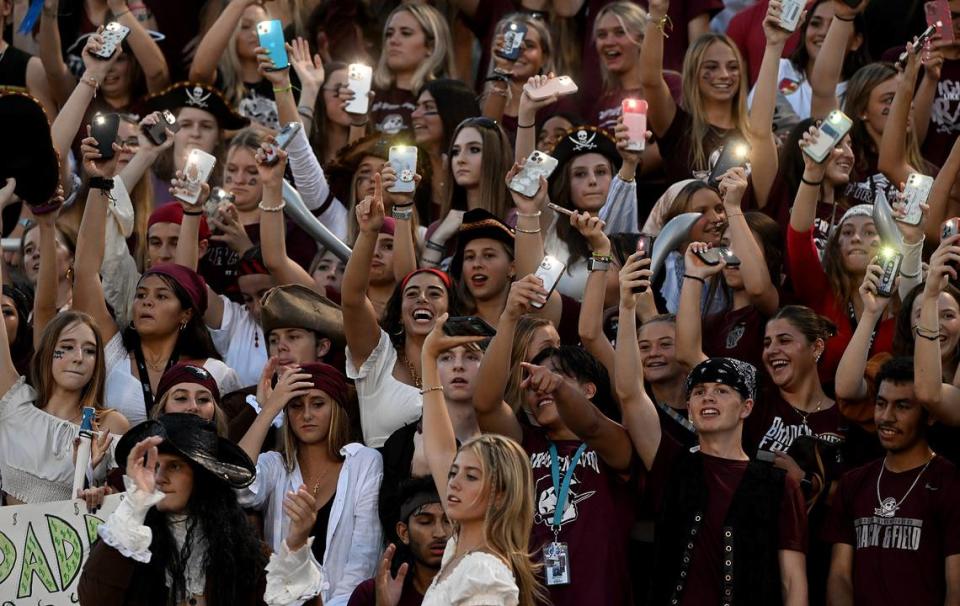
850, 383
58, 75
689, 321
939, 198
215, 41
87, 289
402, 208
661, 107
439, 439
359, 317
527, 118
148, 53
932, 61
639, 414
804, 210
590, 324
48, 282
273, 245
147, 153
829, 64
893, 144
764, 159
8, 372
753, 270
493, 414
581, 416
290, 384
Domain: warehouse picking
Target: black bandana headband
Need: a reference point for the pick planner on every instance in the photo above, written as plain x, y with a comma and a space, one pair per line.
739, 375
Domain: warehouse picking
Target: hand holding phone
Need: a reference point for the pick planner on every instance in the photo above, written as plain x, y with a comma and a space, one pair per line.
104, 129
890, 261
527, 181
283, 139
560, 86
196, 172
832, 132
113, 35
635, 119
550, 271
734, 154
403, 159
359, 81
270, 35
513, 35
643, 250
157, 133
468, 326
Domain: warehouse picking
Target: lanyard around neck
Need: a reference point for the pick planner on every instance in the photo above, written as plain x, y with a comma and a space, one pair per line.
561, 489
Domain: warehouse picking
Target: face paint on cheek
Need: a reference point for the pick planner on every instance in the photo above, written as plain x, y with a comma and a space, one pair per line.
57, 354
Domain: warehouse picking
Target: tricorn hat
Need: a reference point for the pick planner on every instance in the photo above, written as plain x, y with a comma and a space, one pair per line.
199, 96
29, 157
296, 306
479, 223
193, 438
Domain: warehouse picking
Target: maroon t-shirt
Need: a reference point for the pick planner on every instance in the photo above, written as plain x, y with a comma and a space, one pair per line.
898, 560
773, 425
681, 13
595, 524
723, 476
944, 116
675, 146
746, 31
606, 109
735, 334
391, 109
366, 594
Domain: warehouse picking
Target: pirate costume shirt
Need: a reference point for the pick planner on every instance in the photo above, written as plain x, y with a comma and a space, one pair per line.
902, 527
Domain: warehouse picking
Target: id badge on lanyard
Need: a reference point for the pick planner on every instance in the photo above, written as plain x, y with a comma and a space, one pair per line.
556, 555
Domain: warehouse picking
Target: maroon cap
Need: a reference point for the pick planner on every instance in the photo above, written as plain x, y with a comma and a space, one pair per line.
389, 226
185, 278
172, 212
327, 379
187, 373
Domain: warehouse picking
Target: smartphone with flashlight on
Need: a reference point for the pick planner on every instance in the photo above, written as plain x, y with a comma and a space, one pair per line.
734, 154
938, 14
832, 131
713, 256
915, 192
635, 119
113, 35
104, 129
513, 36
196, 171
359, 81
283, 139
644, 248
158, 132
890, 260
403, 159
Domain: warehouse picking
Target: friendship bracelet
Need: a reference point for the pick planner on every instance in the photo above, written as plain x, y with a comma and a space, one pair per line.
306, 112
527, 231
427, 390
272, 209
848, 20
929, 331
927, 337
700, 280
440, 248
193, 214
527, 125
811, 183
402, 213
662, 25
529, 215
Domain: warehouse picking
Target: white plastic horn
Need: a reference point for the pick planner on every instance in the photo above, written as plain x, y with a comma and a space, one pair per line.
673, 234
297, 210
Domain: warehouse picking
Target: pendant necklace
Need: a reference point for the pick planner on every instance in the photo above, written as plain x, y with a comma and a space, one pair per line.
889, 506
804, 415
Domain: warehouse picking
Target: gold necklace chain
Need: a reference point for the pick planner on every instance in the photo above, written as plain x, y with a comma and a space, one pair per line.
417, 382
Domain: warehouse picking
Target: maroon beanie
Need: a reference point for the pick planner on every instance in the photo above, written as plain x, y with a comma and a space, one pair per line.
389, 226
172, 212
187, 373
185, 278
327, 379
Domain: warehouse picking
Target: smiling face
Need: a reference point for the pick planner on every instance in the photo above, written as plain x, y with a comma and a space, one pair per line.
709, 228
424, 299
381, 266
817, 29
425, 534
717, 408
175, 480
899, 417
658, 352
949, 322
198, 130
616, 46
467, 494
858, 243
241, 178
427, 125
118, 80
156, 309
11, 320
590, 177
543, 408
190, 398
719, 73
405, 43
788, 355
487, 268
466, 158
74, 357
530, 61
838, 168
309, 416
458, 369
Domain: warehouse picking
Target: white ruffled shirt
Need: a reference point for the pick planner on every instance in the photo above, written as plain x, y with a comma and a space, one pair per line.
479, 579
291, 576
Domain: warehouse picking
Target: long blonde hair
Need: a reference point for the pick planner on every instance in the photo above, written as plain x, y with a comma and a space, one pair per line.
694, 100
338, 435
633, 19
437, 33
509, 518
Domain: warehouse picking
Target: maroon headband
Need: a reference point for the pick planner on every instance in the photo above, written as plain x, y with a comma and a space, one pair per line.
444, 277
327, 379
187, 373
187, 279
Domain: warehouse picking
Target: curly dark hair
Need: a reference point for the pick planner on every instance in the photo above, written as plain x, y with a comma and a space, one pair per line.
234, 560
391, 321
576, 363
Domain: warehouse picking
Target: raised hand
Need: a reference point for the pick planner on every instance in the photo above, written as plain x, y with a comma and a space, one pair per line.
635, 274
776, 35
95, 66
873, 303
145, 143
622, 135
232, 233
389, 587
591, 228
529, 106
448, 226
540, 379
301, 508
732, 186
810, 166
179, 183
911, 233
309, 70
943, 267
144, 475
370, 211
524, 204
279, 78
845, 11
93, 162
291, 383
523, 293
94, 496
271, 175
438, 341
694, 265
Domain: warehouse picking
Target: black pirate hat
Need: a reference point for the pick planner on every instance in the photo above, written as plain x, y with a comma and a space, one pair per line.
199, 96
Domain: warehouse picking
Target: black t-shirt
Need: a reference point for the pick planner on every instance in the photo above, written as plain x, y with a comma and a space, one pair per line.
391, 110
13, 68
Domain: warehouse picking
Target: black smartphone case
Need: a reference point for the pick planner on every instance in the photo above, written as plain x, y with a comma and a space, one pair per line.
105, 133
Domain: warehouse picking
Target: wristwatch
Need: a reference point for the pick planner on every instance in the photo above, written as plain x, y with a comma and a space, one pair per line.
594, 264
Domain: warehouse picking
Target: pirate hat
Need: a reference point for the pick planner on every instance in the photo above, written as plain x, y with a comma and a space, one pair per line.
296, 306
585, 140
30, 158
193, 438
479, 223
199, 96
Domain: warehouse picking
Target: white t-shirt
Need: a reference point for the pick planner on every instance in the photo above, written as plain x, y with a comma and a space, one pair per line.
386, 404
241, 342
479, 579
796, 89
124, 392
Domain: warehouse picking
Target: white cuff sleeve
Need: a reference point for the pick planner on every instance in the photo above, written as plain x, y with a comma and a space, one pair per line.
293, 576
911, 268
277, 420
124, 529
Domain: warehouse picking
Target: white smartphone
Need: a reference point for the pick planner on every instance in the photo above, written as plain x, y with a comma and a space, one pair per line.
283, 138
560, 86
527, 181
832, 131
403, 159
550, 271
635, 118
196, 171
113, 34
915, 193
790, 12
359, 80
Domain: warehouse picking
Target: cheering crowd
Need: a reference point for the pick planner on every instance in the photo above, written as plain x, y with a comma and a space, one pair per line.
481, 303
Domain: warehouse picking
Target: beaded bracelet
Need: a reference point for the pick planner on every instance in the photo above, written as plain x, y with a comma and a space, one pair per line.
427, 390
272, 209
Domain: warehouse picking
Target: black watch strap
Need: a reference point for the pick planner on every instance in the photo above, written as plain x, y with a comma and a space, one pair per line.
101, 183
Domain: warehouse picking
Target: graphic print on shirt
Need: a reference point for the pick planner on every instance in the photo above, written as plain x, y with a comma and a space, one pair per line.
888, 533
945, 113
260, 109
546, 495
781, 434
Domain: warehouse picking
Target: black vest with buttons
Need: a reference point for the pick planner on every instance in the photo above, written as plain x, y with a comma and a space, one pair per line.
751, 570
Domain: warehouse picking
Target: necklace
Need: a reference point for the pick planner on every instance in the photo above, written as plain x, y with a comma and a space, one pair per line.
417, 382
804, 415
889, 506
